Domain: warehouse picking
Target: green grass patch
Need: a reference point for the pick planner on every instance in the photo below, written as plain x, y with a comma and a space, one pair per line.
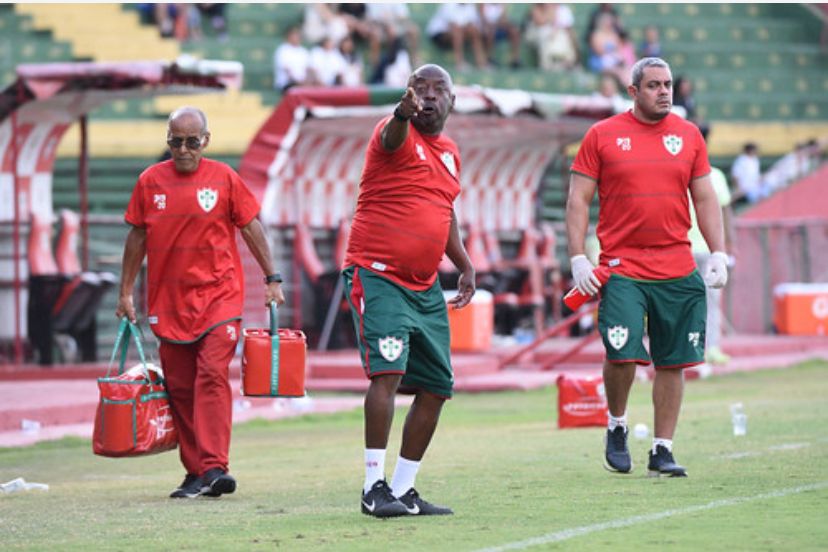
497, 459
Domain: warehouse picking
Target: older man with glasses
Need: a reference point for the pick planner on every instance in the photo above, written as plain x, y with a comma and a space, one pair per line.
183, 216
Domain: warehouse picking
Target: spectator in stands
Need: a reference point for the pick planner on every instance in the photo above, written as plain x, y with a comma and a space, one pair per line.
290, 61
323, 21
713, 352
396, 302
194, 288
215, 14
326, 63
362, 29
626, 58
683, 97
636, 161
496, 25
393, 23
352, 75
452, 26
394, 68
601, 9
747, 175
609, 88
604, 45
651, 45
549, 29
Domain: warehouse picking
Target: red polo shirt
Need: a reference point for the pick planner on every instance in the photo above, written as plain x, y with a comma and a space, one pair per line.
194, 275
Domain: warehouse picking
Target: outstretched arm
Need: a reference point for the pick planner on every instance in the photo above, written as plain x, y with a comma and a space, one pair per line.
457, 254
396, 130
254, 237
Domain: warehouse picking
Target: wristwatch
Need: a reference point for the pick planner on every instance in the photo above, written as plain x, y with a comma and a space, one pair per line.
399, 116
276, 278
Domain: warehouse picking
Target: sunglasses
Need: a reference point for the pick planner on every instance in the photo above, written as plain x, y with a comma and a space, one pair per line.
192, 142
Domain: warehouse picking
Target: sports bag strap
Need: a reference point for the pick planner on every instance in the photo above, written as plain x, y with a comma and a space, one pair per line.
274, 349
125, 329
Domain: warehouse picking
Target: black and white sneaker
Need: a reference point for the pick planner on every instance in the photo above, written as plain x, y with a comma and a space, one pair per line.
217, 482
189, 488
662, 463
416, 506
616, 454
380, 502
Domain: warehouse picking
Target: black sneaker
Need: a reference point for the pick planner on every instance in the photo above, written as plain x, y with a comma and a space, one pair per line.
217, 482
380, 502
616, 455
189, 488
662, 463
416, 506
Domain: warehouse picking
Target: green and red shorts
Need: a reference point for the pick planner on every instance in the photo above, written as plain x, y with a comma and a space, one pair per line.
400, 331
672, 312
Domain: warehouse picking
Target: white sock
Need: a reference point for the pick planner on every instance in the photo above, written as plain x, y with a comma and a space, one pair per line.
374, 467
404, 475
666, 443
615, 421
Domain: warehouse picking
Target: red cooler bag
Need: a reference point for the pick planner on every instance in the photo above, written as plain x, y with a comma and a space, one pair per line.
133, 417
274, 360
582, 402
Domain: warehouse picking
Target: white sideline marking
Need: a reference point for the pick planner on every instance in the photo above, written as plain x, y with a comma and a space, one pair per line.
775, 448
567, 534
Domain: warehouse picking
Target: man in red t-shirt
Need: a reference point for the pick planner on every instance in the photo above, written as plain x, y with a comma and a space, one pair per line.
403, 224
642, 163
183, 215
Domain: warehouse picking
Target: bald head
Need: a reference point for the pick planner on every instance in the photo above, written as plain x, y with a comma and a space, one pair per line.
434, 93
188, 112
187, 136
431, 70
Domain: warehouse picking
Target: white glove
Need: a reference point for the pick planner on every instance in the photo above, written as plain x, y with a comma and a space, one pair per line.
715, 275
582, 273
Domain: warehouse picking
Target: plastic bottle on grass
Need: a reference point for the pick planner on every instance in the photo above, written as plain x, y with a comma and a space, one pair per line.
574, 298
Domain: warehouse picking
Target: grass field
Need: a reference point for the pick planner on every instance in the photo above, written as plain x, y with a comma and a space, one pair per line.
513, 479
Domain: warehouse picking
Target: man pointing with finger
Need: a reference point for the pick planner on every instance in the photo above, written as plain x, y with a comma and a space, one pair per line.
403, 224
643, 162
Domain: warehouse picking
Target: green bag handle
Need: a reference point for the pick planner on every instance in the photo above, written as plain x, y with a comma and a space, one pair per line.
125, 329
274, 349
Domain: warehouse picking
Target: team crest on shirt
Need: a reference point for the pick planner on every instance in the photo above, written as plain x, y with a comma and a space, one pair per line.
448, 160
672, 143
617, 336
390, 348
207, 198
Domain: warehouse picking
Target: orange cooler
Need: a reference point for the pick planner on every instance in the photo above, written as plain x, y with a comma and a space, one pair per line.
472, 326
801, 309
265, 374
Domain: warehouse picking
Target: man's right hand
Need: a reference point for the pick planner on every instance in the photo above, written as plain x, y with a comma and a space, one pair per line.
409, 105
582, 273
125, 307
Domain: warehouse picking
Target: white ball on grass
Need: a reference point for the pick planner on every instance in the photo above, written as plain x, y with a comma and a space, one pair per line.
641, 431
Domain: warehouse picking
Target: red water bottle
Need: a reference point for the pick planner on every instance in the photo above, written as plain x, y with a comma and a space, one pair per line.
574, 298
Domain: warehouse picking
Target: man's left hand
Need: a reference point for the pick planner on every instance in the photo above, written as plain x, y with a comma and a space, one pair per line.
465, 290
715, 275
274, 294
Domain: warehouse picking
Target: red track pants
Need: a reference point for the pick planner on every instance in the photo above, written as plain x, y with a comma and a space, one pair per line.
201, 399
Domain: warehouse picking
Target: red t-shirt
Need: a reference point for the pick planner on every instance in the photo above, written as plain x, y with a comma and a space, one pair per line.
403, 213
643, 173
194, 275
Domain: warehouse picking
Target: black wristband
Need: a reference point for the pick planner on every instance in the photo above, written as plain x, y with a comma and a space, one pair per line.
399, 116
273, 278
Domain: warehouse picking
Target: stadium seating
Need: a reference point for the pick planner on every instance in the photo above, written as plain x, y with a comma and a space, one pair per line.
756, 69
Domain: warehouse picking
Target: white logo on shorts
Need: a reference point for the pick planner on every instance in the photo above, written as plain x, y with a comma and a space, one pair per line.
231, 332
390, 348
617, 336
694, 337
